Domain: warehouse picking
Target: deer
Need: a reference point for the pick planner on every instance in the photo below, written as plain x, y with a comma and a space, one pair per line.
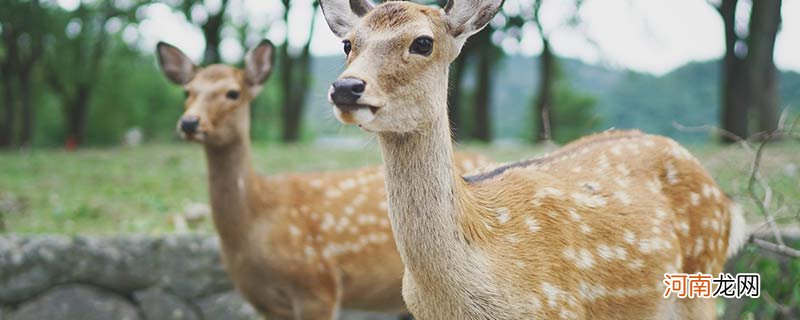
586, 231
297, 246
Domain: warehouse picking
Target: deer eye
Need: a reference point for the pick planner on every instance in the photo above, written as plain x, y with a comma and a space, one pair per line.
186, 93
422, 46
232, 94
347, 46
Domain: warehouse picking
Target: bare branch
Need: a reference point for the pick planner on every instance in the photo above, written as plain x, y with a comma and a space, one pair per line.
777, 248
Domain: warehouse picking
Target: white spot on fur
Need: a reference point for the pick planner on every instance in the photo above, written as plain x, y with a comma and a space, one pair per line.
628, 236
604, 252
347, 184
707, 191
592, 201
698, 246
552, 293
333, 193
591, 292
583, 259
576, 169
240, 183
533, 225
672, 173
316, 183
694, 198
616, 150
654, 185
547, 192
294, 231
310, 252
574, 215
683, 227
502, 215
585, 228
623, 197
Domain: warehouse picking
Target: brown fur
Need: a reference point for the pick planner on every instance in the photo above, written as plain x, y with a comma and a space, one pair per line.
586, 232
297, 246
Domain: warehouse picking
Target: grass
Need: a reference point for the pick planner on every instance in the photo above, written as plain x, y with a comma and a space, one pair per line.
139, 189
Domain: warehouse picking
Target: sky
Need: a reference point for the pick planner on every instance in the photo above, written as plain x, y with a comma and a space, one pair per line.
653, 36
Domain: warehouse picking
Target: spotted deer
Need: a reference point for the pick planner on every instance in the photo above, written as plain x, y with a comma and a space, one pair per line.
297, 246
587, 231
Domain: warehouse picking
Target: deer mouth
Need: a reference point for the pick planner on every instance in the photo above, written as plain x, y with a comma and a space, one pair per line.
359, 114
355, 107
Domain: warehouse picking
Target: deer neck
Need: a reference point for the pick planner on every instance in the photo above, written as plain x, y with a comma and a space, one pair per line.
231, 177
425, 203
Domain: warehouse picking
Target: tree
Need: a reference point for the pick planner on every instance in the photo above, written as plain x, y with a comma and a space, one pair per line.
486, 54
23, 28
295, 79
543, 112
211, 26
74, 62
749, 76
765, 20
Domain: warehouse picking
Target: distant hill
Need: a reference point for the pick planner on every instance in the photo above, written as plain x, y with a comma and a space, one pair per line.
625, 99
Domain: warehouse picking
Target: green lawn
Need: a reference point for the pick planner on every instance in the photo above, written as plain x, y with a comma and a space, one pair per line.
139, 189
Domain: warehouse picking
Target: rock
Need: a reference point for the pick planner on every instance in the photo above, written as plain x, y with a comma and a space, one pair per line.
159, 305
362, 315
26, 265
30, 265
191, 266
76, 302
226, 306
122, 264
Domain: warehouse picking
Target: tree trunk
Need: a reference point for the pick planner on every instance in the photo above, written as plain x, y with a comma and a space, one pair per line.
483, 90
734, 96
212, 31
9, 112
76, 117
26, 128
295, 79
544, 97
765, 20
9, 100
454, 95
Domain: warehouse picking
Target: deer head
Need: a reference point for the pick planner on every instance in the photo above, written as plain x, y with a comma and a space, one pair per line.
217, 106
398, 54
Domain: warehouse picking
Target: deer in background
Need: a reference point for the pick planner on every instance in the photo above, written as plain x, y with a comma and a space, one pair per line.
585, 232
297, 246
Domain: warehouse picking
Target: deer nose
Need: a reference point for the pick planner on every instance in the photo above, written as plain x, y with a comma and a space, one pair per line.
189, 124
347, 90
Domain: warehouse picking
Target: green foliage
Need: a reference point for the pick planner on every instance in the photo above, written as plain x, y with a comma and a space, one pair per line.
574, 114
780, 283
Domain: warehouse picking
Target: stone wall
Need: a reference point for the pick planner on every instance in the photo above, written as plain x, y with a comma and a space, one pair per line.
120, 278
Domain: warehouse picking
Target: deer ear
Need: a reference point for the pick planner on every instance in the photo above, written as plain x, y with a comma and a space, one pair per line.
343, 15
176, 66
466, 17
258, 63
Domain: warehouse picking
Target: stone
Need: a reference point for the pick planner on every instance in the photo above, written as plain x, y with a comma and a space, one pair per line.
121, 264
191, 266
226, 306
363, 315
156, 304
27, 266
76, 302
